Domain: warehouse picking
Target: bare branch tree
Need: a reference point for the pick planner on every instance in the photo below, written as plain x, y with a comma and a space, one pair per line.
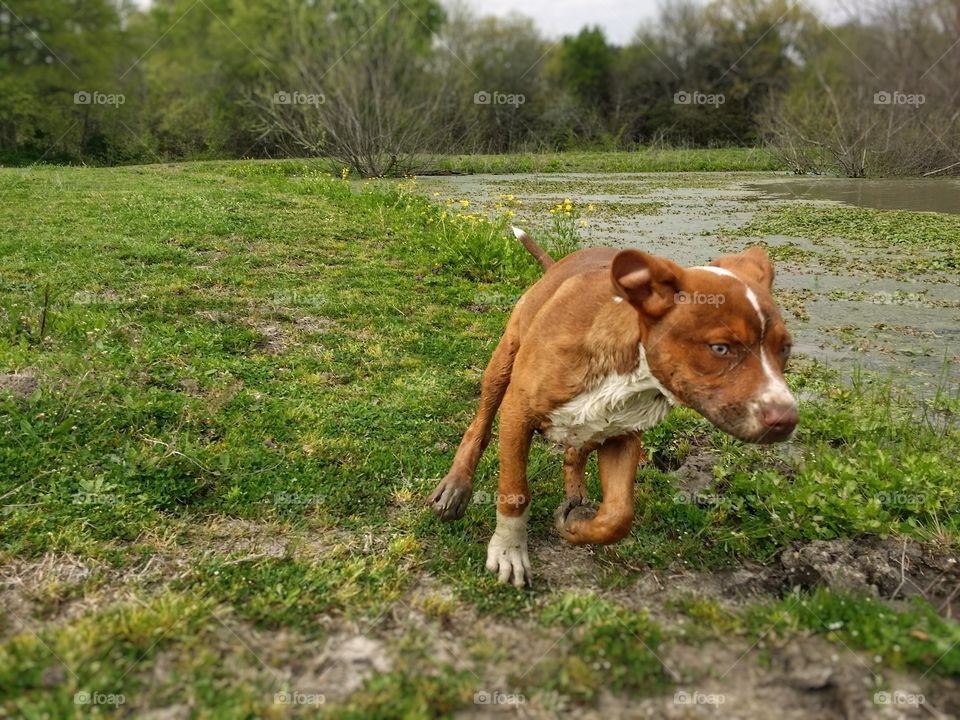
366, 92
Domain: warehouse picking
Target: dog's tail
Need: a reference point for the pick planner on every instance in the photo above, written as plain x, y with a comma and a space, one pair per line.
530, 244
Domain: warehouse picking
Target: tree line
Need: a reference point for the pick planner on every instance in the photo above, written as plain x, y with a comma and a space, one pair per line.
379, 84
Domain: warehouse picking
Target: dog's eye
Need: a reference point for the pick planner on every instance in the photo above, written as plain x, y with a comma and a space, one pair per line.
785, 350
720, 349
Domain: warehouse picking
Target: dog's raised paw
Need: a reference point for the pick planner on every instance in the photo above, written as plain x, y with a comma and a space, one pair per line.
450, 498
573, 510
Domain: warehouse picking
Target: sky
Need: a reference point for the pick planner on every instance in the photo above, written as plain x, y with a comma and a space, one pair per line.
618, 18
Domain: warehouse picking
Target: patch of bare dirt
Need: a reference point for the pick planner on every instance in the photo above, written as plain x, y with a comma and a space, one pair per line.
802, 678
60, 586
249, 540
26, 587
19, 384
283, 663
277, 338
215, 316
274, 339
805, 677
887, 568
580, 569
893, 569
314, 324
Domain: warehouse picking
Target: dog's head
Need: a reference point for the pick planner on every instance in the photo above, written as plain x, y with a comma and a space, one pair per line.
714, 338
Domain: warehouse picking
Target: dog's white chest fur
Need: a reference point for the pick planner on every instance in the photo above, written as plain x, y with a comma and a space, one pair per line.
616, 405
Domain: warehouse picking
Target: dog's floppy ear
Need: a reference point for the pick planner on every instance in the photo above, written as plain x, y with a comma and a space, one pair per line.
647, 281
752, 264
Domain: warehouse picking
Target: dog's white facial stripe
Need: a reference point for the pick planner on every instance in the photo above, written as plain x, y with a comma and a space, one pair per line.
776, 389
716, 271
752, 297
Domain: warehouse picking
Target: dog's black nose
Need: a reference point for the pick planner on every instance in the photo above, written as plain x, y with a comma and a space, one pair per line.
780, 418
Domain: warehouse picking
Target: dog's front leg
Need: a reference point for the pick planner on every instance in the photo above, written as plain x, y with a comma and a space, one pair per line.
581, 524
507, 553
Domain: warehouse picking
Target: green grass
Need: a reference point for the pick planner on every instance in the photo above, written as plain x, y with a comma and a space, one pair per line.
267, 348
646, 160
604, 646
915, 637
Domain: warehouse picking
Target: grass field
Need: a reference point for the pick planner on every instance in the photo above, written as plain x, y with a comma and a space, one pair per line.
227, 389
644, 160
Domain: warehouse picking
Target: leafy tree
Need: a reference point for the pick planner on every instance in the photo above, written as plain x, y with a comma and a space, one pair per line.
60, 96
497, 96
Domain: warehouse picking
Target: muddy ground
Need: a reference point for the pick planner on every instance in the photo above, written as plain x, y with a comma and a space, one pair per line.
801, 677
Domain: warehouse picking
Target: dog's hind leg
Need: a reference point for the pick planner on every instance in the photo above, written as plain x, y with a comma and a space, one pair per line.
450, 498
582, 523
574, 480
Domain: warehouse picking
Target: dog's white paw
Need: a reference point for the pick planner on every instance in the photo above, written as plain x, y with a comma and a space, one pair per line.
507, 553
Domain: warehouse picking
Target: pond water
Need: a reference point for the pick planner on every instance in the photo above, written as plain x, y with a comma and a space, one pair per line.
920, 194
904, 324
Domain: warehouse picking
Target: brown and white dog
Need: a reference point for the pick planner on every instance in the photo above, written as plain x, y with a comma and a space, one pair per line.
596, 352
